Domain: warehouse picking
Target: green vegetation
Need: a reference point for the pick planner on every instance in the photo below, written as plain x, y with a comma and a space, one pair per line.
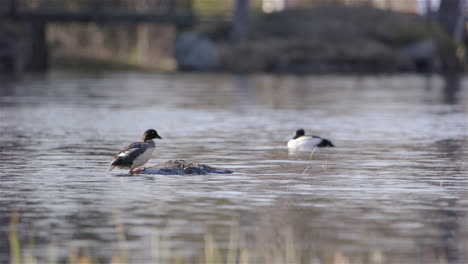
83, 64
212, 6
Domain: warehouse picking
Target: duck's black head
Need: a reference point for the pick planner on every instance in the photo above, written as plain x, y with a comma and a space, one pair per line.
299, 133
150, 134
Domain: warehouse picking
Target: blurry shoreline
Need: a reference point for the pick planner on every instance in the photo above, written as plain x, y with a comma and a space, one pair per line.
315, 40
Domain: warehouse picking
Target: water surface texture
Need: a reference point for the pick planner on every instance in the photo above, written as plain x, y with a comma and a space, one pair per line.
393, 190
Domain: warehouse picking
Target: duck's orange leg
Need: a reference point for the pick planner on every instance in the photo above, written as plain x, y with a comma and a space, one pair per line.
137, 170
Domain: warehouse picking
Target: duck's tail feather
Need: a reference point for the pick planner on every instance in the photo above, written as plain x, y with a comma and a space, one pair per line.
325, 143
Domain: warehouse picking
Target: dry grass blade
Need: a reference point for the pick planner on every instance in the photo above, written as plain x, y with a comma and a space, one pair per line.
233, 244
122, 239
291, 255
310, 158
15, 248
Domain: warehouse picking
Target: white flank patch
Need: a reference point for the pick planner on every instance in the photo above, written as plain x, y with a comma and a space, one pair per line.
143, 158
125, 153
304, 143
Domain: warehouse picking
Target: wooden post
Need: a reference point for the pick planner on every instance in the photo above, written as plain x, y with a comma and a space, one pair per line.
39, 53
240, 22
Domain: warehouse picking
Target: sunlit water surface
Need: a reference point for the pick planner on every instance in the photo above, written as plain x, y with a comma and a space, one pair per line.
394, 189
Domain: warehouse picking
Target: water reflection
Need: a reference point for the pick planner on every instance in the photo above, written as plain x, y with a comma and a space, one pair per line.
444, 220
394, 188
451, 87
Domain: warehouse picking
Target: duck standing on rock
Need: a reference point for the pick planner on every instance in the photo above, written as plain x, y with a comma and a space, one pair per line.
137, 153
301, 142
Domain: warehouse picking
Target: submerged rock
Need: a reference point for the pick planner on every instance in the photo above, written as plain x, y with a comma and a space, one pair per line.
182, 167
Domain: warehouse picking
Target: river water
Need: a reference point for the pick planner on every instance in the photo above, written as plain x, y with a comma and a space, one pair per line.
393, 190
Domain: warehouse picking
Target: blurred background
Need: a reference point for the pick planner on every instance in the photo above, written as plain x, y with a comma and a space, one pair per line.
234, 35
226, 83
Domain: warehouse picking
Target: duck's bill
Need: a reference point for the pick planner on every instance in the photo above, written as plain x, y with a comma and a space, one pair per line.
158, 136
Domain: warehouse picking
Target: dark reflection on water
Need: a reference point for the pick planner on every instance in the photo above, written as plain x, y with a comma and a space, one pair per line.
451, 87
394, 189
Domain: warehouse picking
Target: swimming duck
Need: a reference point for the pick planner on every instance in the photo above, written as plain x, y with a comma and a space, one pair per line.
137, 153
306, 143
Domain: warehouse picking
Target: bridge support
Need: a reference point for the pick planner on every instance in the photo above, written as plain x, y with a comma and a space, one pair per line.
39, 60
